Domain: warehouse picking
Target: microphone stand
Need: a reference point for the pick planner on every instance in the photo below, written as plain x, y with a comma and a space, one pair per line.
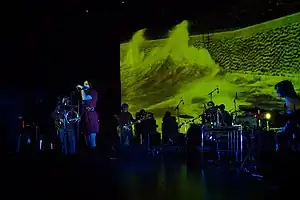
211, 94
235, 109
72, 93
78, 124
77, 138
177, 111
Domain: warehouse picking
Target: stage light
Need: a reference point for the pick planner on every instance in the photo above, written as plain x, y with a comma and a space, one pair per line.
268, 116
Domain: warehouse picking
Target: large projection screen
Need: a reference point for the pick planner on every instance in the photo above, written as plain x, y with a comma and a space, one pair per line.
156, 74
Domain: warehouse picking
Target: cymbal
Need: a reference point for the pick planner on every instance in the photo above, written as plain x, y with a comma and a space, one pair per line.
267, 107
186, 116
248, 108
236, 112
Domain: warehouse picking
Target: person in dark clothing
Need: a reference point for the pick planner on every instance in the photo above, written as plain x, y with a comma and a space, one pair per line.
139, 127
125, 120
169, 128
146, 126
291, 130
225, 117
65, 129
284, 168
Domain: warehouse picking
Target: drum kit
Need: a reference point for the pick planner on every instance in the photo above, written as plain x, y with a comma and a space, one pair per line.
208, 132
209, 126
249, 117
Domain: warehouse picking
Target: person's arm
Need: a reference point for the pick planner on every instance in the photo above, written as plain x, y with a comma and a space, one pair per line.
84, 95
54, 113
286, 128
117, 117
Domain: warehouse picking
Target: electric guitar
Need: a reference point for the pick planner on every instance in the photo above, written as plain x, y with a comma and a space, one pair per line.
128, 127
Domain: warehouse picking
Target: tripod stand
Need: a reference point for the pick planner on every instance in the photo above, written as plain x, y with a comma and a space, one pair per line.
212, 92
253, 147
177, 110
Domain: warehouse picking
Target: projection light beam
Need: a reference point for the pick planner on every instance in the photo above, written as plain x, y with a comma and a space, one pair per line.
156, 74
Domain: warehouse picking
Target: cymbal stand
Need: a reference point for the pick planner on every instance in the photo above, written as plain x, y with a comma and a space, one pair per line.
252, 169
235, 107
177, 110
211, 93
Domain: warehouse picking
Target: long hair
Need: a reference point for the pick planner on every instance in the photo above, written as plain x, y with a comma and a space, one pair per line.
285, 89
91, 83
88, 90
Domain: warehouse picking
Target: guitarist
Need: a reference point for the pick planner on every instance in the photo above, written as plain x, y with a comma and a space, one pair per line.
65, 130
146, 127
125, 120
290, 132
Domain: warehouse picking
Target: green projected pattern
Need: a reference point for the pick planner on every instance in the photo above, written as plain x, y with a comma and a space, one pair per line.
156, 74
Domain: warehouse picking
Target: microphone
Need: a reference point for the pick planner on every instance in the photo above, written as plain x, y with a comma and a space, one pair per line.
83, 88
218, 91
182, 101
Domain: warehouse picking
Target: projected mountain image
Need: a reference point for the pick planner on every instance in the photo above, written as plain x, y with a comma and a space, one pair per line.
155, 75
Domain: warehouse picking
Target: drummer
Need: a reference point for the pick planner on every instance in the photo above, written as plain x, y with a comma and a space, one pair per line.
211, 112
211, 105
225, 118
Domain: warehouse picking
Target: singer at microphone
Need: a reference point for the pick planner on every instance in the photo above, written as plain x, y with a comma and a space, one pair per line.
90, 98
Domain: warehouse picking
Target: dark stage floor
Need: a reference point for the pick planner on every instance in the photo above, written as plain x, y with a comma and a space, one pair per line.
134, 178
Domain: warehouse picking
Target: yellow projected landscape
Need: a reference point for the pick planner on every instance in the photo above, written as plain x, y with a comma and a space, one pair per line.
155, 75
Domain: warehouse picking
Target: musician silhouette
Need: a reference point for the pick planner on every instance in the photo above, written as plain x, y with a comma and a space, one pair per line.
147, 125
125, 120
169, 127
290, 133
225, 118
65, 130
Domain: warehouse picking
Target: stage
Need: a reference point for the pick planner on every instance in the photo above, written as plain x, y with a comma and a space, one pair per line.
130, 177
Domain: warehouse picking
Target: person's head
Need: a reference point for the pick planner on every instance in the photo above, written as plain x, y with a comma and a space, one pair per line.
167, 114
124, 107
210, 104
88, 84
142, 111
65, 100
285, 89
222, 107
